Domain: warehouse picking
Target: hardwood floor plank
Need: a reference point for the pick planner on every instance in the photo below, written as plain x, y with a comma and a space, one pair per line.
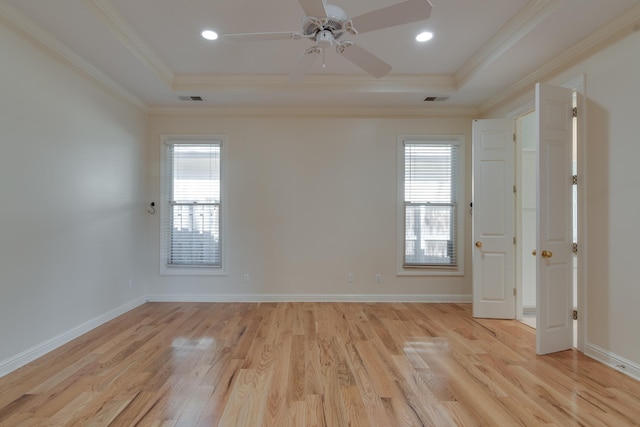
297, 369
97, 414
225, 377
248, 400
192, 411
354, 406
457, 414
313, 370
418, 397
383, 384
361, 376
314, 416
313, 364
277, 403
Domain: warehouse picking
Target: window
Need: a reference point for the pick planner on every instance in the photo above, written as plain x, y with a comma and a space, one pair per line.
192, 235
431, 184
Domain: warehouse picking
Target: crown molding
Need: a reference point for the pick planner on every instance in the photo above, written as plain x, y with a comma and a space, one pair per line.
328, 112
528, 18
436, 84
19, 21
114, 20
605, 36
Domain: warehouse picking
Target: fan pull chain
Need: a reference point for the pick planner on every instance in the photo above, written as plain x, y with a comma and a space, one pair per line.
323, 64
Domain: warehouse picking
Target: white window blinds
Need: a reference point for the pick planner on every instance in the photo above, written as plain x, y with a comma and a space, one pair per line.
430, 173
192, 226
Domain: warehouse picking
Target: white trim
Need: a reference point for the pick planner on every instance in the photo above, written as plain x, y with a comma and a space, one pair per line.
578, 84
523, 110
439, 84
114, 21
618, 363
195, 271
459, 141
31, 354
595, 42
30, 28
315, 112
525, 21
518, 262
460, 299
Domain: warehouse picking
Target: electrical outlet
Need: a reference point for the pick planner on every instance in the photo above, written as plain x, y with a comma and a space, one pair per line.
378, 278
350, 277
246, 279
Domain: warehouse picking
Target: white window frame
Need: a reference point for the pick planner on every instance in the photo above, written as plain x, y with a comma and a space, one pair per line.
195, 270
434, 270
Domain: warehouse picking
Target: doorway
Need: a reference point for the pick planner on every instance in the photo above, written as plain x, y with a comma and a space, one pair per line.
498, 251
526, 217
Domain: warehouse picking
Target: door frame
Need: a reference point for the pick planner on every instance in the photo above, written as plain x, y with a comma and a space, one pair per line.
579, 86
520, 249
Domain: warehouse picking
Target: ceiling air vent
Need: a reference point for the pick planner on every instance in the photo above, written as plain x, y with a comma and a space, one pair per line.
190, 98
436, 98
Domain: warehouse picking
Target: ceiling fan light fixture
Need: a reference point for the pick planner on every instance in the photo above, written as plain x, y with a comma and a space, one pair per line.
209, 35
325, 39
424, 36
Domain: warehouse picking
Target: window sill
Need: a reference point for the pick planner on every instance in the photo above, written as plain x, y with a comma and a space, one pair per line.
192, 271
430, 272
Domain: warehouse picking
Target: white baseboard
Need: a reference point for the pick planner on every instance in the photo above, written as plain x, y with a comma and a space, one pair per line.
308, 298
611, 359
19, 360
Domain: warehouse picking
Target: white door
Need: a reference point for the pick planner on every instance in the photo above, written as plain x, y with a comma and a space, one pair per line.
493, 219
554, 241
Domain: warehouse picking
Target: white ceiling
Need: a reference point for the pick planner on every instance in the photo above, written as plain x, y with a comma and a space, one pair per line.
152, 52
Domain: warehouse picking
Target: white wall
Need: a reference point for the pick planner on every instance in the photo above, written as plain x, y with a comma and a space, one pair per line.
72, 197
310, 200
614, 204
611, 182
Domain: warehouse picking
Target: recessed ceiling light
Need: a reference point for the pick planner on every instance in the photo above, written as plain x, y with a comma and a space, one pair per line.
424, 36
209, 35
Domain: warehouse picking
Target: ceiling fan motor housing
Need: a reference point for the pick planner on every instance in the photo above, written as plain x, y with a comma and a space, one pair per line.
334, 22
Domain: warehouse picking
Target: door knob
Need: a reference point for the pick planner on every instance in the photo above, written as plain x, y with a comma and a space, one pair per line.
547, 254
534, 253
478, 244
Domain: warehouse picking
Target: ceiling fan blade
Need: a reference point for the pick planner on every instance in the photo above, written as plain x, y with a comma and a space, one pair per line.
314, 8
252, 37
364, 59
304, 64
397, 14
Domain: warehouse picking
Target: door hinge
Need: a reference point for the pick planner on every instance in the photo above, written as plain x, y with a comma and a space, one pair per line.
575, 315
515, 190
575, 179
514, 240
575, 248
514, 137
514, 292
574, 112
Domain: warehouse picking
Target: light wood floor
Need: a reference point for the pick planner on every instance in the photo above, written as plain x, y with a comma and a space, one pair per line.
313, 364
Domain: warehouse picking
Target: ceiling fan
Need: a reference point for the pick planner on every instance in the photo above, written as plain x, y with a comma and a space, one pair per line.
325, 24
